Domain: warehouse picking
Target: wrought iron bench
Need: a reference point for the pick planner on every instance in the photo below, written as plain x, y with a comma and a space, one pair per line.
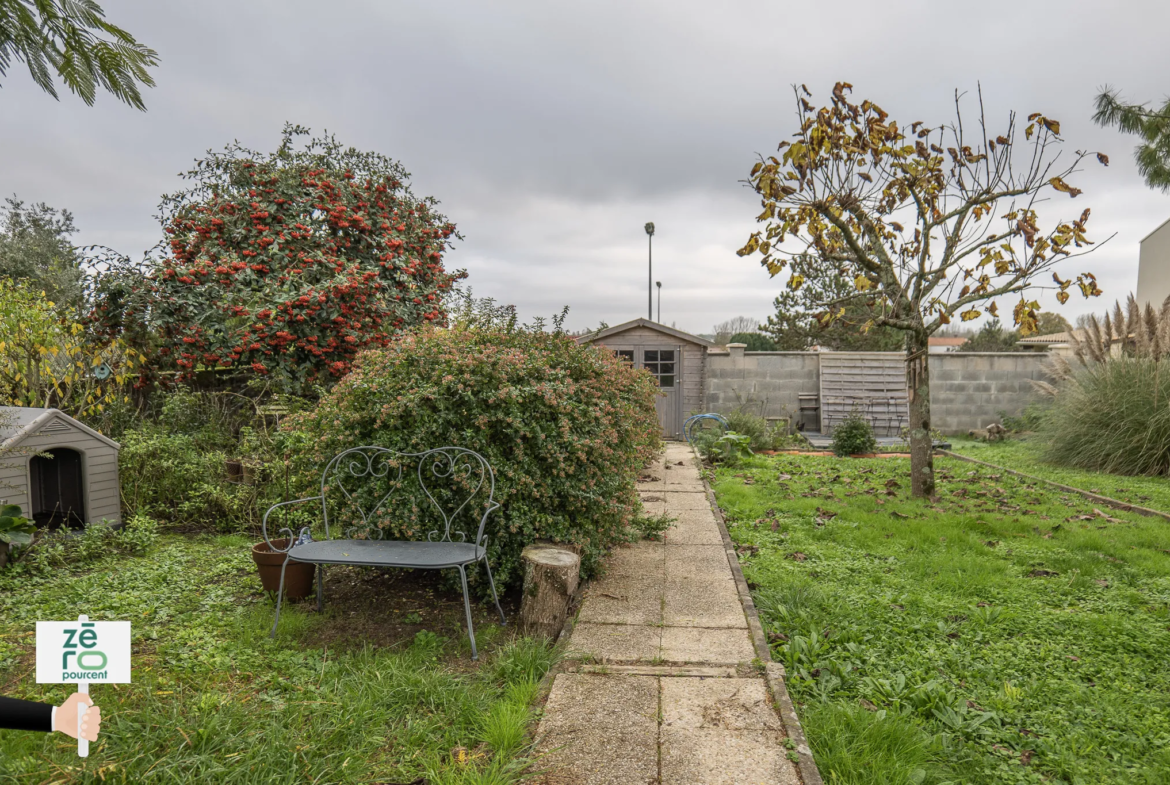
439, 487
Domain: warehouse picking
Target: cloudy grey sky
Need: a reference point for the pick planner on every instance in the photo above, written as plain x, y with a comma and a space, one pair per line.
551, 132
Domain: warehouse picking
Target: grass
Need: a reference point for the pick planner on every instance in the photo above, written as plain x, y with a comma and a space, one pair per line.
1004, 632
1024, 454
214, 700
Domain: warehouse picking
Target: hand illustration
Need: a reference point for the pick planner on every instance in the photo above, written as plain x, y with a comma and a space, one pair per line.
65, 718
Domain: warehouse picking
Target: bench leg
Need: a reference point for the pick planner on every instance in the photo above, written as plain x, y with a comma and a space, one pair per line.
495, 599
320, 585
467, 607
279, 597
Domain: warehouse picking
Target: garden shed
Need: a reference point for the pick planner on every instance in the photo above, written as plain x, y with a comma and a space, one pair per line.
60, 471
676, 359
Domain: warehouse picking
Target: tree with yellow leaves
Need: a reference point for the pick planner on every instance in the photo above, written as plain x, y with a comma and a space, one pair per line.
930, 224
50, 361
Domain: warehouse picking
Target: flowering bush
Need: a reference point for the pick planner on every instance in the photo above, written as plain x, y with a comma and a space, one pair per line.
287, 264
565, 427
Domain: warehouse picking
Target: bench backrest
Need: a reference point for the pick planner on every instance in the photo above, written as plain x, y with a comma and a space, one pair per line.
366, 491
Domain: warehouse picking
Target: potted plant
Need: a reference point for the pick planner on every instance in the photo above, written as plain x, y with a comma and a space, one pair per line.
298, 576
15, 529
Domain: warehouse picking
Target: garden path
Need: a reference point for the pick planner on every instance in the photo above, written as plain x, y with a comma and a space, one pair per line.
660, 688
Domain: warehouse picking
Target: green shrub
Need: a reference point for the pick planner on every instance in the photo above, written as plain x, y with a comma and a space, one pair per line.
756, 428
853, 436
727, 448
764, 435
706, 441
1030, 419
566, 428
1112, 416
63, 549
174, 460
171, 477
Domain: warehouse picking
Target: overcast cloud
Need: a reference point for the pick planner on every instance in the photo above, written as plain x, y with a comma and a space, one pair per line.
551, 132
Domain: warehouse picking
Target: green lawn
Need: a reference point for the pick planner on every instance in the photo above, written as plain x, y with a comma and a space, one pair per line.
214, 700
1024, 455
1003, 633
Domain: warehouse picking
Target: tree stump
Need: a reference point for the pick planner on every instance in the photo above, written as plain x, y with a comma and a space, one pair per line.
550, 579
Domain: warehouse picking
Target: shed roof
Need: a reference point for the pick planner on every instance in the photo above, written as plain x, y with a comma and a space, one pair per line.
662, 328
19, 422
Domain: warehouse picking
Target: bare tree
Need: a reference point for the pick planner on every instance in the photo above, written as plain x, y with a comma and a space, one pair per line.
928, 222
740, 324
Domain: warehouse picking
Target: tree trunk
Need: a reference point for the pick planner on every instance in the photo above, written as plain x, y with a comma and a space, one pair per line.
550, 579
918, 390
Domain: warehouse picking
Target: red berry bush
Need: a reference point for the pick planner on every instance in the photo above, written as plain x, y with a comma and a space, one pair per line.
566, 428
289, 264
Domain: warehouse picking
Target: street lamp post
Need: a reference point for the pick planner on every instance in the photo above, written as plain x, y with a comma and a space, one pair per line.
650, 271
659, 285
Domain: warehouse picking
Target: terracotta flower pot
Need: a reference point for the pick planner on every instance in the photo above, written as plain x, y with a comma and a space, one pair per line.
298, 576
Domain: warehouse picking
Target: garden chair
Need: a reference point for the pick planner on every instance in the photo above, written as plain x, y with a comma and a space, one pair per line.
442, 487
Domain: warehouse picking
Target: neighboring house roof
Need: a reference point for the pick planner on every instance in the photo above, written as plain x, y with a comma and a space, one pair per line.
1051, 338
662, 328
19, 422
946, 341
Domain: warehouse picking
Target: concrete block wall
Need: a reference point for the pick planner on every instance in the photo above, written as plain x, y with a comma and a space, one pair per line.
972, 390
765, 383
968, 390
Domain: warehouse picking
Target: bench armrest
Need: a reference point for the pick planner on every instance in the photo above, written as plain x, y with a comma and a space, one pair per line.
283, 532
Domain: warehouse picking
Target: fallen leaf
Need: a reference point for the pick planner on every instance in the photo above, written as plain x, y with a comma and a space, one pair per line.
796, 556
1074, 659
1042, 574
867, 705
1101, 582
897, 514
784, 477
1026, 755
777, 637
1100, 514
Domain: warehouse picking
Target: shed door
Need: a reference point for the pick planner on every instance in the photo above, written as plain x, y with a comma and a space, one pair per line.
665, 365
58, 490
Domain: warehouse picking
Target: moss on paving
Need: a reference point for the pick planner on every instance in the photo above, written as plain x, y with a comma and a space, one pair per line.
1003, 632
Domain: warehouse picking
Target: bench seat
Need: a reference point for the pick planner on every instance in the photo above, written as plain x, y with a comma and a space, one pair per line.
388, 553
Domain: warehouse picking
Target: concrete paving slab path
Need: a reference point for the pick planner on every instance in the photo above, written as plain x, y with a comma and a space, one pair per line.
664, 691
